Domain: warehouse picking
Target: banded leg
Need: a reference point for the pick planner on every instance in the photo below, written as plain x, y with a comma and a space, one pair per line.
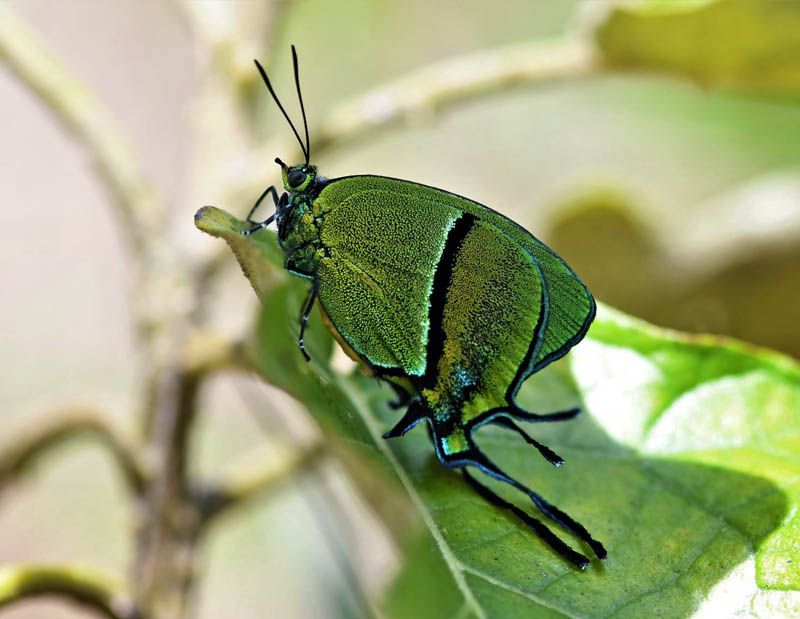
402, 397
413, 416
312, 296
281, 204
269, 190
548, 454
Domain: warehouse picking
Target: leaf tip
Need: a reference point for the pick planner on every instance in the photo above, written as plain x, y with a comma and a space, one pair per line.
201, 213
216, 222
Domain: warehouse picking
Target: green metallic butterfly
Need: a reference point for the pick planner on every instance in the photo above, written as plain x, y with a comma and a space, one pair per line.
452, 303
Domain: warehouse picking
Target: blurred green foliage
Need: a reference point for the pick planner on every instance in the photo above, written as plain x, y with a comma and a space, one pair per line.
748, 44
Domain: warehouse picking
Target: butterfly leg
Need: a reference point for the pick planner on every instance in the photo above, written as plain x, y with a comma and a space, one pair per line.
402, 397
309, 305
413, 416
548, 454
269, 190
473, 456
281, 205
523, 415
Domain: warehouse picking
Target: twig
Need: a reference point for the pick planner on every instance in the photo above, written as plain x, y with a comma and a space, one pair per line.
427, 91
256, 477
324, 505
437, 86
231, 55
166, 537
220, 27
86, 586
206, 352
163, 566
138, 208
64, 424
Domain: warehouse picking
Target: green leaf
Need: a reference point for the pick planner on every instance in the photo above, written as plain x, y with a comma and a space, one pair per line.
685, 465
425, 586
258, 254
747, 44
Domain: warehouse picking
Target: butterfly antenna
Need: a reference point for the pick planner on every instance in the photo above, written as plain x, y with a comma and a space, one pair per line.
302, 107
275, 97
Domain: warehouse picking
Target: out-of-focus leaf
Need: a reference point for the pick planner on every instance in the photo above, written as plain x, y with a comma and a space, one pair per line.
723, 266
685, 465
747, 44
424, 586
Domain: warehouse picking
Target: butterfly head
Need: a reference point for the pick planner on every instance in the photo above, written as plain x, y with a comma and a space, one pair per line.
297, 178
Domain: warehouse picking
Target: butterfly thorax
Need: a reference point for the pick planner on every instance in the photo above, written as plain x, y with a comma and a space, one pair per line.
299, 234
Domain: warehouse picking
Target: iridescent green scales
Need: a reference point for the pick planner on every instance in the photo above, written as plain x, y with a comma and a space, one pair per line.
452, 303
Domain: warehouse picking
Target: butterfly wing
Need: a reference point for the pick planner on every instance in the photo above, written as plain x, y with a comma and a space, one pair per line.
376, 279
462, 301
570, 306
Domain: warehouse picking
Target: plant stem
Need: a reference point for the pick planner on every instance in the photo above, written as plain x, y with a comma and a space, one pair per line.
85, 586
424, 92
256, 477
61, 425
137, 205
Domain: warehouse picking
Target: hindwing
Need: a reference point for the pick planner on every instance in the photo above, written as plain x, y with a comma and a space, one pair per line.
488, 307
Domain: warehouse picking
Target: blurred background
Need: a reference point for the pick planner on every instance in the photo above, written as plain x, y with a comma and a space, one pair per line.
675, 201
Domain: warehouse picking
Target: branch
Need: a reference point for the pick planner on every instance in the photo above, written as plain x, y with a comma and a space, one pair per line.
427, 91
206, 352
172, 391
234, 37
137, 206
163, 566
85, 586
260, 474
440, 85
61, 426
231, 47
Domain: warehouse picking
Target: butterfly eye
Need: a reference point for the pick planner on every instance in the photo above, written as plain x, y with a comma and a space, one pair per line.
296, 178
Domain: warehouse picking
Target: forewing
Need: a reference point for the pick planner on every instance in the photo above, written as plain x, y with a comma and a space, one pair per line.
376, 280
